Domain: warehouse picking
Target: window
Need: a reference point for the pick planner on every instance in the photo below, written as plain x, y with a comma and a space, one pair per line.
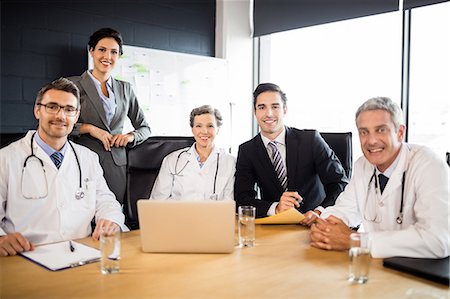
429, 99
328, 71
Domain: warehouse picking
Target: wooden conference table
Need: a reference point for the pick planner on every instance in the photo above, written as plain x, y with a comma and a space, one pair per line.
281, 265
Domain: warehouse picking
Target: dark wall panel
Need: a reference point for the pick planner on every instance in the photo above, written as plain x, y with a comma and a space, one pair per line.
43, 40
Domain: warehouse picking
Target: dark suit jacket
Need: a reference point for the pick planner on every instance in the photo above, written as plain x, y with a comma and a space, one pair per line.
313, 169
92, 112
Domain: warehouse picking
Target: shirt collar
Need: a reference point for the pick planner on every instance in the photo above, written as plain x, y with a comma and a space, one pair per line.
281, 138
214, 151
47, 148
108, 82
388, 172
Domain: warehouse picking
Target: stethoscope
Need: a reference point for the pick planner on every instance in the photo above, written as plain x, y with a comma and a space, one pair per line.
79, 194
399, 218
187, 162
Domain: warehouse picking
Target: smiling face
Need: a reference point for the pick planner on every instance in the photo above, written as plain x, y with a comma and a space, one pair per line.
380, 142
205, 130
269, 112
54, 128
105, 55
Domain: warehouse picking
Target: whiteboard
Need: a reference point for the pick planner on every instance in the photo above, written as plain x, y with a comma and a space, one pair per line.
169, 85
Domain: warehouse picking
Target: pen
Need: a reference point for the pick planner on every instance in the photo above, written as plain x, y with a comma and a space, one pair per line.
71, 247
300, 201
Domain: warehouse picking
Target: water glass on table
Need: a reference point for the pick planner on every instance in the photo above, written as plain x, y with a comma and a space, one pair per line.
110, 250
359, 255
246, 227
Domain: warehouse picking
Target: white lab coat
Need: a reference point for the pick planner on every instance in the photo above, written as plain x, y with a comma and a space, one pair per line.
187, 181
58, 216
425, 229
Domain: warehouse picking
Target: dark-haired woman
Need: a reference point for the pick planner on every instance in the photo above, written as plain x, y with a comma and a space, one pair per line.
105, 104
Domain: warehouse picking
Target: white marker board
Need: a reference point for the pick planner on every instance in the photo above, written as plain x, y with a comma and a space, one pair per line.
169, 85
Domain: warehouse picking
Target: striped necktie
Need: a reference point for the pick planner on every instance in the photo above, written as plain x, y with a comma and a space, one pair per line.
57, 158
277, 162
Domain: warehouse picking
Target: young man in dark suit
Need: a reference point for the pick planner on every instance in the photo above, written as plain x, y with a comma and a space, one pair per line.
291, 167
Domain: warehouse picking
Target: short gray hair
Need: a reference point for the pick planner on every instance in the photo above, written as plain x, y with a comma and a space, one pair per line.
61, 84
386, 104
205, 109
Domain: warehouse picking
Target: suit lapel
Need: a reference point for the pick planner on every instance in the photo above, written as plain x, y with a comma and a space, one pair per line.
93, 97
292, 145
266, 163
120, 102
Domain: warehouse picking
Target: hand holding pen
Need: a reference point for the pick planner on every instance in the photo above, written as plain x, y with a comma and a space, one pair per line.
288, 200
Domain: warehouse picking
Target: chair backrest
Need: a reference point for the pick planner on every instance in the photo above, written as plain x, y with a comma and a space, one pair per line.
7, 138
144, 162
448, 158
341, 144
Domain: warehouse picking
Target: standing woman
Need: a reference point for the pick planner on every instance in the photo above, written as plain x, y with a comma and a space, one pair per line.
199, 172
105, 104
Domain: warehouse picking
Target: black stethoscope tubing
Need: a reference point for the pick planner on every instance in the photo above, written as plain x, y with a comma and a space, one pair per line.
81, 195
178, 173
215, 175
400, 214
176, 163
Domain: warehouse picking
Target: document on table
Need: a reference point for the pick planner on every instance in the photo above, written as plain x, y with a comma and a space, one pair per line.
58, 256
291, 216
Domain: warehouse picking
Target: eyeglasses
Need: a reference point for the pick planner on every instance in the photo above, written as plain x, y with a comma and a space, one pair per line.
53, 108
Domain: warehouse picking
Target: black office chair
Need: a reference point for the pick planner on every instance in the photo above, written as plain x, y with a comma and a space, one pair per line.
341, 144
144, 162
7, 138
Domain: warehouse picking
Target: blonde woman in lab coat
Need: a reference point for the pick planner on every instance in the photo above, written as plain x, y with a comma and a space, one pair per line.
199, 172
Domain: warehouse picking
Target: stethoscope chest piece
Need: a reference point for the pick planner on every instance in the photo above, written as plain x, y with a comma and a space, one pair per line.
79, 194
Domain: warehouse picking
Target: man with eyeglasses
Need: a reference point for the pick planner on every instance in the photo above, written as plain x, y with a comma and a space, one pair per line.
50, 188
399, 192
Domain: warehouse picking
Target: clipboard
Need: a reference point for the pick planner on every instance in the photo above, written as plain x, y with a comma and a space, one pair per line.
59, 256
291, 216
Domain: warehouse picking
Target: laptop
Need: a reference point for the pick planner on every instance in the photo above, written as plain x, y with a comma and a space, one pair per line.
204, 226
437, 270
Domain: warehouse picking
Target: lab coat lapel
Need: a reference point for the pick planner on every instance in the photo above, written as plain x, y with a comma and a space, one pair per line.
193, 157
93, 97
211, 162
39, 152
395, 181
68, 159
